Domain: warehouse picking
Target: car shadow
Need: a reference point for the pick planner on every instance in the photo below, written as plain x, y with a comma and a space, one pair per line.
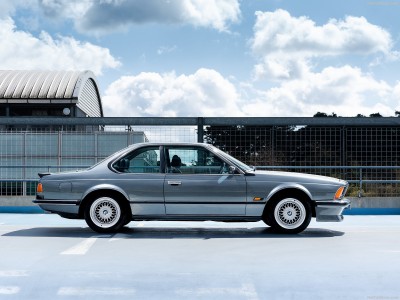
173, 233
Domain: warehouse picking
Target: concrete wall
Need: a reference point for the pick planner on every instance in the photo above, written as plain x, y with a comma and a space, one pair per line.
375, 202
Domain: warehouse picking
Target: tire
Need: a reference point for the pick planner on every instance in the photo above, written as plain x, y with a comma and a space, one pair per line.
289, 215
104, 215
127, 220
266, 219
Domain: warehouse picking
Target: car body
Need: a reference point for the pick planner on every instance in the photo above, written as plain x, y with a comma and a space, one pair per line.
189, 181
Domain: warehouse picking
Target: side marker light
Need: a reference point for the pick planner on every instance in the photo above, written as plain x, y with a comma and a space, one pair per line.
339, 193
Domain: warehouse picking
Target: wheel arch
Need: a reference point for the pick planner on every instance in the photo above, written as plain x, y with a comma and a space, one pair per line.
287, 191
105, 190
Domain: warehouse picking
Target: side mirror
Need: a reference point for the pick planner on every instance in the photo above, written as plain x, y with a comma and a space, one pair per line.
232, 169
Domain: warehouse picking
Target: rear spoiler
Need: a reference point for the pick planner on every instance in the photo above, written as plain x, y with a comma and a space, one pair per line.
43, 174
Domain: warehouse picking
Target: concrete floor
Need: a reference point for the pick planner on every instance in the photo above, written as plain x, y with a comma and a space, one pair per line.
43, 256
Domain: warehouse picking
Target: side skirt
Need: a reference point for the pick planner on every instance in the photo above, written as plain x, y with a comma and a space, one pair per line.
196, 218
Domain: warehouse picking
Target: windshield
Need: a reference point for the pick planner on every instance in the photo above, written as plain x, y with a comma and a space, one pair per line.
237, 162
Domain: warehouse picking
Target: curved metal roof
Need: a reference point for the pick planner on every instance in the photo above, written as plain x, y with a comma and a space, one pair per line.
47, 87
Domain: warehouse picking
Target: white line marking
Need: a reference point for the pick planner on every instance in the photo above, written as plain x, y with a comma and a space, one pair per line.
13, 273
117, 237
9, 290
247, 290
82, 248
91, 291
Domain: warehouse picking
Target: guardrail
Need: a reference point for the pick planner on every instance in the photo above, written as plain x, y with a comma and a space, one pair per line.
199, 122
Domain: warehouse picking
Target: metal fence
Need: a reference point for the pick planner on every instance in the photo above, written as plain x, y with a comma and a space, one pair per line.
364, 151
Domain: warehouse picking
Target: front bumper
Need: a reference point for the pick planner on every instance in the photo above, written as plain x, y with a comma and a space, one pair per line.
331, 211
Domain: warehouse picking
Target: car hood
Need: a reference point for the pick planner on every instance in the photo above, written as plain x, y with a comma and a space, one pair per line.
280, 176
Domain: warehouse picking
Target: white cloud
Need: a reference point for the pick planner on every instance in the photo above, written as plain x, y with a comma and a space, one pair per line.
396, 95
285, 45
213, 13
166, 49
347, 91
22, 50
74, 9
288, 50
8, 7
204, 93
104, 16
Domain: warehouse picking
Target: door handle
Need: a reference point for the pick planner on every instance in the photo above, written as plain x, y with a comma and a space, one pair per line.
174, 182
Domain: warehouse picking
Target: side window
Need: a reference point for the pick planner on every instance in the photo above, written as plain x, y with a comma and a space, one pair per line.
194, 160
144, 160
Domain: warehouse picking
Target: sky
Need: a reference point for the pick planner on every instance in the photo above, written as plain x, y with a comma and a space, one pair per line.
215, 58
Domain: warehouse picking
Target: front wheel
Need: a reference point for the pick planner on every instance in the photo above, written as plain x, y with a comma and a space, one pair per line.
289, 215
104, 215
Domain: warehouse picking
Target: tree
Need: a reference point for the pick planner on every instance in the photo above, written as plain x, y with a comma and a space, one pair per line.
253, 145
375, 115
309, 145
324, 115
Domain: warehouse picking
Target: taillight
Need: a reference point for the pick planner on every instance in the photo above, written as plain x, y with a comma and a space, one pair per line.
339, 193
39, 188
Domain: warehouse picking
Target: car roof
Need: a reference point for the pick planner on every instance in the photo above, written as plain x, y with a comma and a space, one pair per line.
169, 144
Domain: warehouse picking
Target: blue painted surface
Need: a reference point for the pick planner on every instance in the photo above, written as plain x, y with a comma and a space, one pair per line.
21, 210
372, 211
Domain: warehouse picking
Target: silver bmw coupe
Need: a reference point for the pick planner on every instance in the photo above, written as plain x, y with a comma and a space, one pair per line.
189, 181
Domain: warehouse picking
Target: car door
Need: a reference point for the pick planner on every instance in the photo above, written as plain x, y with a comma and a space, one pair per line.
139, 175
197, 182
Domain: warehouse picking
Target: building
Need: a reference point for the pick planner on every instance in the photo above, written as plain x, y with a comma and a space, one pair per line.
49, 93
26, 150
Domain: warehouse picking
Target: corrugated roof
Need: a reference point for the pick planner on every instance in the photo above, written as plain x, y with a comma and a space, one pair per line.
43, 87
39, 84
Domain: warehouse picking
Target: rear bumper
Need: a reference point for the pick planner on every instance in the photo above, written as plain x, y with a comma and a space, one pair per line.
59, 206
331, 211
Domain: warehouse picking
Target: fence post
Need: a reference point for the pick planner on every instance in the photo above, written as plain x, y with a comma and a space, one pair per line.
343, 149
24, 169
60, 152
361, 182
273, 146
200, 130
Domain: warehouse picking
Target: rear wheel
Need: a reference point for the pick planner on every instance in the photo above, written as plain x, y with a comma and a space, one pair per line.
289, 215
104, 215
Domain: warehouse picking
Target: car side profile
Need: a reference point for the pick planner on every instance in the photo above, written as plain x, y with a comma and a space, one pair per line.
189, 181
